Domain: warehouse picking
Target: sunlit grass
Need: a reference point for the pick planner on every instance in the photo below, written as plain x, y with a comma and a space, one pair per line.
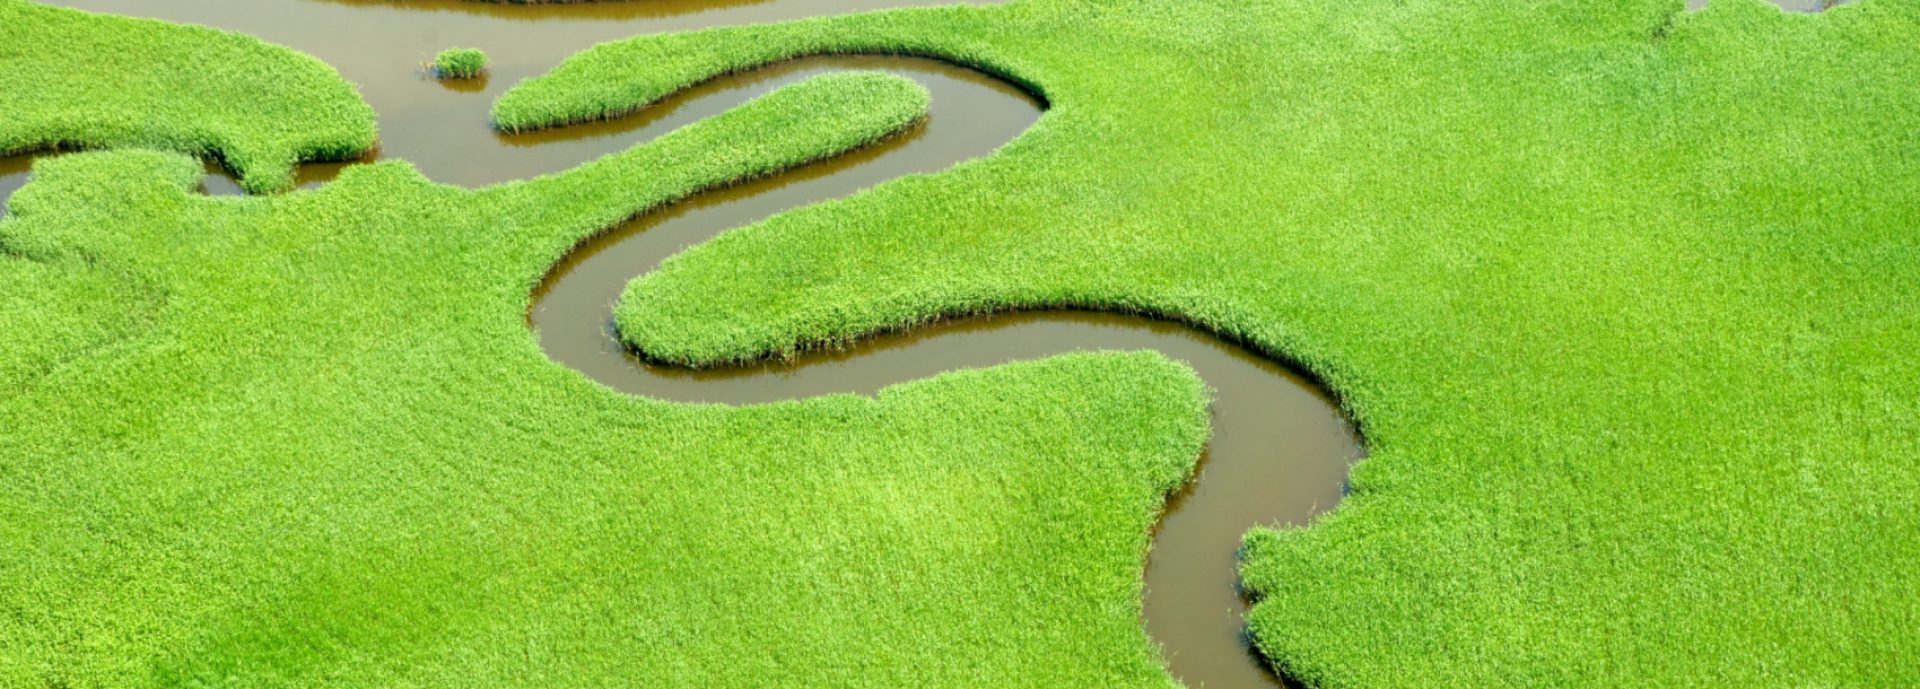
307, 440
459, 63
75, 80
1621, 295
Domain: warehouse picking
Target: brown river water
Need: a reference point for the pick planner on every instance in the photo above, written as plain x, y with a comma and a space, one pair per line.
1280, 449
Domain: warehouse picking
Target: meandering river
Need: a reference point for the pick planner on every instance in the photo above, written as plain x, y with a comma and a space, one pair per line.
1280, 450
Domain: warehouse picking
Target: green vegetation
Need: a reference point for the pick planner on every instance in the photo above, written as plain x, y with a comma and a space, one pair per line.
78, 80
1621, 295
459, 63
306, 439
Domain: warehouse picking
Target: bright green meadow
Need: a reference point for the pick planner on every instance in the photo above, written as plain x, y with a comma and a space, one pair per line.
1621, 296
90, 81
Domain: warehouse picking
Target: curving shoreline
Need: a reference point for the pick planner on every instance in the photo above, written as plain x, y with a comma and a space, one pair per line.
1280, 449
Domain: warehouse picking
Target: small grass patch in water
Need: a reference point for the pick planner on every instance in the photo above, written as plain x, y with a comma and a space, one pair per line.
459, 63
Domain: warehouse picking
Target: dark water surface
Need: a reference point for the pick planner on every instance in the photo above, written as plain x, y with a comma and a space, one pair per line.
13, 175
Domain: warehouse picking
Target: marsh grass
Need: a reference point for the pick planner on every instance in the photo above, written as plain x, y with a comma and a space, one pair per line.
459, 63
1615, 289
1621, 295
82, 81
320, 416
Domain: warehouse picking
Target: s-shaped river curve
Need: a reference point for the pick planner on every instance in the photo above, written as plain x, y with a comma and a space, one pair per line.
1280, 449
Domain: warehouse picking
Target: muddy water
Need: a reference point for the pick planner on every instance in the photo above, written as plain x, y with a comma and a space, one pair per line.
13, 175
1280, 450
379, 43
443, 129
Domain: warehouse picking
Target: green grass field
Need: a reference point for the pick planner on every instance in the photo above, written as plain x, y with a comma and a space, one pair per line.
307, 439
88, 81
1622, 297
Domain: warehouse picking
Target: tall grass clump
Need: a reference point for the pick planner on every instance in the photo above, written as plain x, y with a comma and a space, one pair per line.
459, 63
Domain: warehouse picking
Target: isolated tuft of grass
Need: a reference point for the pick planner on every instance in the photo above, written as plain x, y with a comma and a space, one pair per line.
459, 63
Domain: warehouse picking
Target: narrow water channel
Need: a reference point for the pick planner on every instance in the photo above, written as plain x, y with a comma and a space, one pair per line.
1280, 449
